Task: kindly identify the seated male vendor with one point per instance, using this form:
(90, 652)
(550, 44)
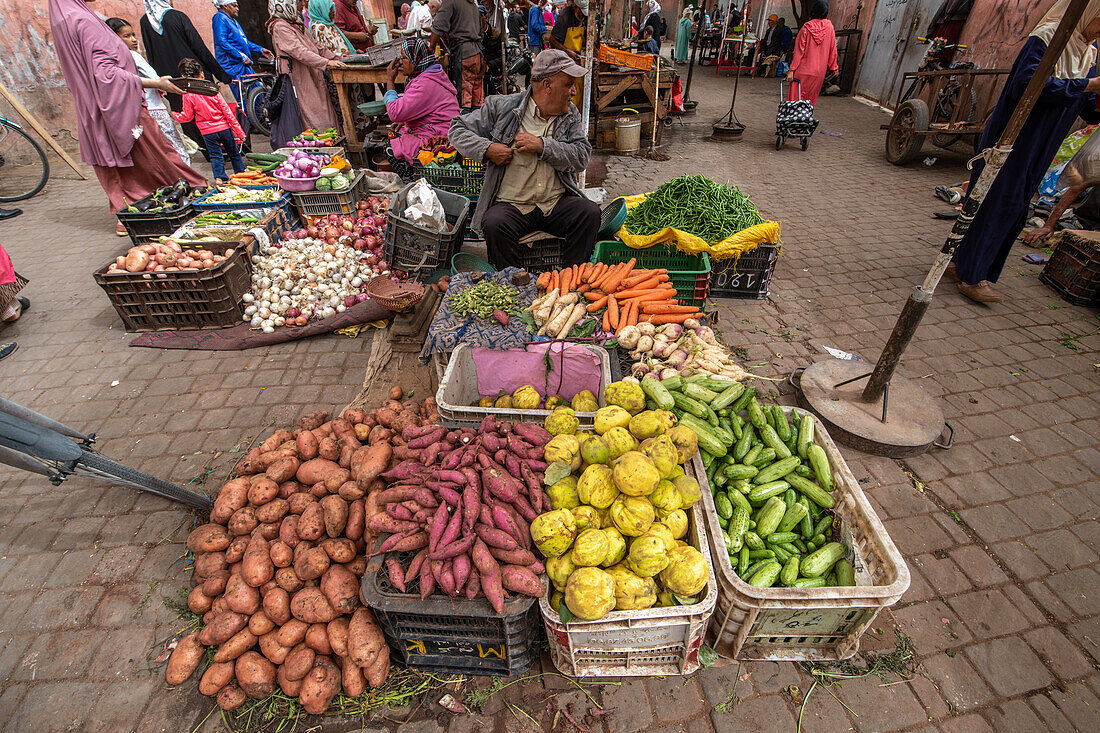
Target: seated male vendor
(533, 143)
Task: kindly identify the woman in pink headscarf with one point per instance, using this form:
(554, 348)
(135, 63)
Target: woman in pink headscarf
(118, 137)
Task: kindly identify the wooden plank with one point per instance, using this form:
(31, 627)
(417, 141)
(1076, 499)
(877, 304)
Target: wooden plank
(353, 142)
(618, 89)
(37, 126)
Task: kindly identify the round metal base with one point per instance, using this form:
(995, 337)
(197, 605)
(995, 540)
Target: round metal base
(690, 105)
(727, 133)
(913, 421)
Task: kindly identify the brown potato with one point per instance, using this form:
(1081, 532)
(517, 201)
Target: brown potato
(311, 606)
(379, 669)
(231, 697)
(235, 645)
(317, 638)
(184, 660)
(287, 488)
(240, 596)
(208, 538)
(351, 678)
(272, 649)
(288, 531)
(289, 687)
(302, 548)
(219, 605)
(282, 555)
(338, 635)
(236, 549)
(354, 416)
(275, 440)
(216, 676)
(299, 502)
(339, 550)
(299, 662)
(268, 587)
(255, 675)
(281, 470)
(341, 588)
(353, 530)
(320, 686)
(329, 449)
(288, 580)
(222, 628)
(265, 488)
(311, 564)
(214, 585)
(269, 531)
(243, 521)
(335, 512)
(260, 624)
(272, 512)
(365, 639)
(198, 602)
(276, 605)
(208, 563)
(319, 490)
(358, 566)
(292, 633)
(256, 566)
(350, 491)
(362, 432)
(250, 464)
(307, 445)
(233, 496)
(311, 525)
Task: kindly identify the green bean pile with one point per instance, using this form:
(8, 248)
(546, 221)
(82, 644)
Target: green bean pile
(697, 205)
(485, 297)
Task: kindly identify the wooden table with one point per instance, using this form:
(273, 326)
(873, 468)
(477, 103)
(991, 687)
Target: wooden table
(354, 74)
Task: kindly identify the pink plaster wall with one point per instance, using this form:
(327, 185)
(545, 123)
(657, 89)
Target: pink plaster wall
(30, 68)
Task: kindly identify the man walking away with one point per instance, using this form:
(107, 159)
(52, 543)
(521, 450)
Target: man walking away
(457, 25)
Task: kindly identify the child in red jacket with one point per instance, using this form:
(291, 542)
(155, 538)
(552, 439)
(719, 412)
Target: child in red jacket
(219, 127)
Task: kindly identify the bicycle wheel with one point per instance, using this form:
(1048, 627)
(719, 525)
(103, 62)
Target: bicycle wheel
(944, 108)
(24, 168)
(256, 109)
(103, 467)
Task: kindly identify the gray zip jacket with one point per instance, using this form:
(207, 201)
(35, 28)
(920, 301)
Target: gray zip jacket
(567, 149)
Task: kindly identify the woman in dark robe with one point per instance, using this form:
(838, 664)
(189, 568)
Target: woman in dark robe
(1068, 94)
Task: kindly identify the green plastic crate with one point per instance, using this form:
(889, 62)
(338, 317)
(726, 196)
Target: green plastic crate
(689, 274)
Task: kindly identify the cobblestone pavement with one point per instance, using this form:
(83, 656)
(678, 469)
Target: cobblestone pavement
(1000, 532)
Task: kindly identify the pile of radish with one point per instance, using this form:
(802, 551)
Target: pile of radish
(319, 270)
(277, 569)
(463, 500)
(300, 164)
(168, 256)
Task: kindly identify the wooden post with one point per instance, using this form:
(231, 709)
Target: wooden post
(37, 126)
(620, 13)
(591, 60)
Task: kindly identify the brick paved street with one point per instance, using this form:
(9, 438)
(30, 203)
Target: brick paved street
(1001, 532)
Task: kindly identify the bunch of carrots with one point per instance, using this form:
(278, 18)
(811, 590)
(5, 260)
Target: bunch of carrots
(625, 294)
(252, 178)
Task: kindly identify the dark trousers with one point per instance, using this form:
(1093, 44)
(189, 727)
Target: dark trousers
(216, 142)
(575, 219)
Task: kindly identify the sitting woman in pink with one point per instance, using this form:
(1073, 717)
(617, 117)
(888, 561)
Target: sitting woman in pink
(426, 108)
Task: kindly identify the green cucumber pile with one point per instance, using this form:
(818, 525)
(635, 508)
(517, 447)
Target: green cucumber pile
(772, 484)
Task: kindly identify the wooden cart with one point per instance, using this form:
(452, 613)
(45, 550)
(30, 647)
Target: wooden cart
(617, 89)
(344, 78)
(948, 104)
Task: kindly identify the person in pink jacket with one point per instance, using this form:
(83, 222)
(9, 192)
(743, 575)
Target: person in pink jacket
(814, 55)
(426, 108)
(215, 120)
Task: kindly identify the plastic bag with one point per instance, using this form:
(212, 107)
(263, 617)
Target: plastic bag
(382, 181)
(422, 208)
(1083, 169)
(573, 368)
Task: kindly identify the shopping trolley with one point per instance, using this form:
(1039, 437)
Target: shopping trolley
(794, 119)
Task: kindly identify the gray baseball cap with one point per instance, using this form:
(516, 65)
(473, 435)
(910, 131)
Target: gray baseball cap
(553, 61)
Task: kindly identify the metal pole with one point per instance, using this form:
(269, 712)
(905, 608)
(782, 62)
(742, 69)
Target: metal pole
(996, 156)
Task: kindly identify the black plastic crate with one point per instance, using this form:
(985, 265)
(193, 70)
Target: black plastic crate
(418, 251)
(747, 277)
(144, 227)
(466, 180)
(454, 635)
(540, 252)
(1074, 269)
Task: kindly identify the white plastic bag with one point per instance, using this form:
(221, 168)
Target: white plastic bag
(422, 207)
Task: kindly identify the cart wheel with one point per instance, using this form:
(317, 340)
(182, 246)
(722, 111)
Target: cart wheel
(903, 141)
(805, 143)
(778, 142)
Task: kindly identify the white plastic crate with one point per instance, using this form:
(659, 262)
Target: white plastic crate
(458, 395)
(646, 643)
(795, 624)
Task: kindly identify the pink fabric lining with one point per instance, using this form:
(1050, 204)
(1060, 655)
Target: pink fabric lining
(574, 369)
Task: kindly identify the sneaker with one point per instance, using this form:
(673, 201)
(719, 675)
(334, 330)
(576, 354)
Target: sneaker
(7, 349)
(983, 292)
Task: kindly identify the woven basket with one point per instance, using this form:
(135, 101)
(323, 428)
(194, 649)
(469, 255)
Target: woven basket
(397, 297)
